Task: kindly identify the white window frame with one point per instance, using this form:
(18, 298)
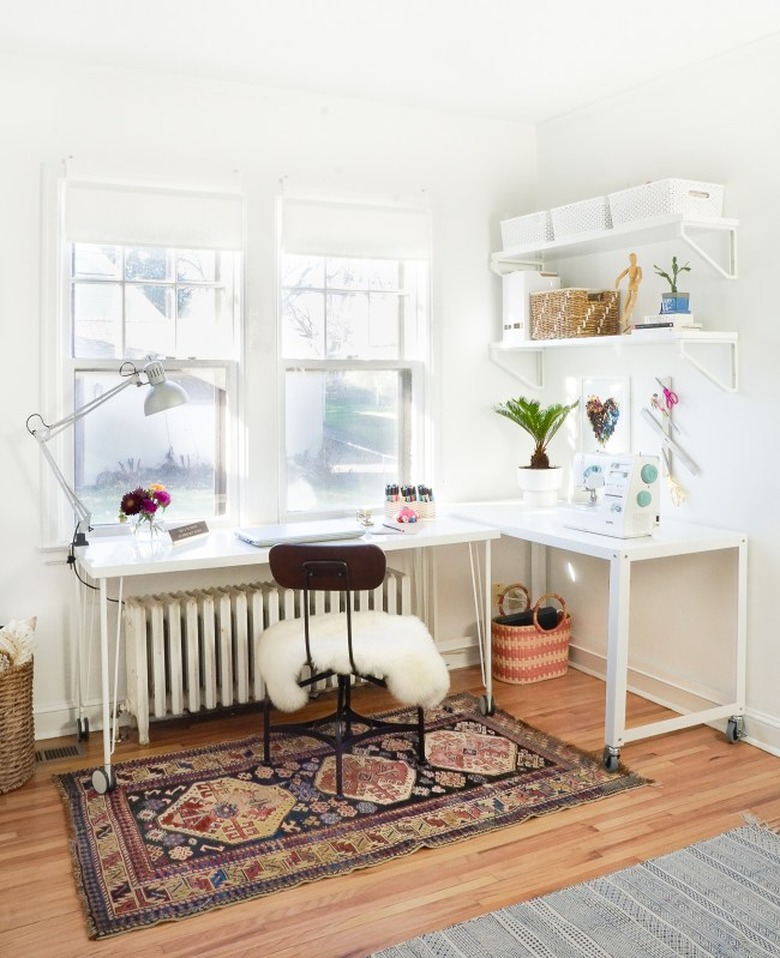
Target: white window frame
(421, 460)
(58, 367)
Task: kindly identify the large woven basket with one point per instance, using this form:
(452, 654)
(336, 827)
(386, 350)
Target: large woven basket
(570, 313)
(17, 728)
(526, 652)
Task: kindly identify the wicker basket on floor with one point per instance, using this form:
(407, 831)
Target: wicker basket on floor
(17, 728)
(532, 645)
(570, 313)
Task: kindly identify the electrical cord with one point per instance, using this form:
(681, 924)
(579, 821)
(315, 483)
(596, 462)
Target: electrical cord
(71, 561)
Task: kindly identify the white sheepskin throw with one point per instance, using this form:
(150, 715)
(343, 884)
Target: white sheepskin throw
(396, 648)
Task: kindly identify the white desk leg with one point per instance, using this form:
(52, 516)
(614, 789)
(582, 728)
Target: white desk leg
(617, 657)
(490, 704)
(483, 609)
(538, 570)
(103, 778)
(734, 728)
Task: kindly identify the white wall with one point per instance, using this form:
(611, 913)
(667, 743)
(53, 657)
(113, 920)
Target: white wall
(710, 123)
(472, 172)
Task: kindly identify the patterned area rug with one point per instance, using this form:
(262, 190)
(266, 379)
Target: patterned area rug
(717, 899)
(189, 831)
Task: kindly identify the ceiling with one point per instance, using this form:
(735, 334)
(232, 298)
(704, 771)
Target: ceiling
(517, 59)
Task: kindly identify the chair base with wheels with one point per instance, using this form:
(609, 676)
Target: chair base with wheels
(391, 651)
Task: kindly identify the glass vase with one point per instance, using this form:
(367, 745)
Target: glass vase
(151, 536)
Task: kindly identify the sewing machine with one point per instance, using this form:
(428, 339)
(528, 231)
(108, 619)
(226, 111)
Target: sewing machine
(622, 495)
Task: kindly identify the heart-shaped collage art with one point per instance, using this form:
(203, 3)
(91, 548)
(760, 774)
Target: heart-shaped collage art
(603, 417)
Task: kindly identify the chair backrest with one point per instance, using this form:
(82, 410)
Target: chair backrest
(311, 566)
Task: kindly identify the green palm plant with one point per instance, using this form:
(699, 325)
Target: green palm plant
(541, 424)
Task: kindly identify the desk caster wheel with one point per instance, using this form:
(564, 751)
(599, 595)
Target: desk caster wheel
(611, 758)
(82, 729)
(103, 781)
(487, 706)
(734, 729)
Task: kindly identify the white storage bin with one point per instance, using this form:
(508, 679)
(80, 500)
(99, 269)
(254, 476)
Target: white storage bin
(660, 197)
(581, 217)
(518, 286)
(526, 230)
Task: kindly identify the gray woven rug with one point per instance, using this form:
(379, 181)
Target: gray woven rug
(720, 897)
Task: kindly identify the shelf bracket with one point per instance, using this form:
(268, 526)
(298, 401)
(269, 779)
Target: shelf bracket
(517, 362)
(729, 271)
(729, 382)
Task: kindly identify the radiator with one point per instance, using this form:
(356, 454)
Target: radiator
(192, 651)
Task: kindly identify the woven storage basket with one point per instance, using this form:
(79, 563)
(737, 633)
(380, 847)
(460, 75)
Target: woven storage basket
(569, 313)
(527, 652)
(581, 217)
(17, 730)
(660, 197)
(525, 230)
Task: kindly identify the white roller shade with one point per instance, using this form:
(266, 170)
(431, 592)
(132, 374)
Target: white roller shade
(146, 216)
(311, 227)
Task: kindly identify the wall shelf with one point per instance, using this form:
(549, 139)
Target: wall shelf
(652, 230)
(713, 354)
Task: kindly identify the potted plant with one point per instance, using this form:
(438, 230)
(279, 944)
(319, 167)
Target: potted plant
(673, 301)
(539, 480)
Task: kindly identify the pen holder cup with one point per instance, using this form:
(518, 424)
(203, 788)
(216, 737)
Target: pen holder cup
(423, 510)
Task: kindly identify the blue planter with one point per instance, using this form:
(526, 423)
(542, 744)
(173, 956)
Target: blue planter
(675, 302)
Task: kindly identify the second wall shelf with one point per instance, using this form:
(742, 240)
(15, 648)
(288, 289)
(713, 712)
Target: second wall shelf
(525, 360)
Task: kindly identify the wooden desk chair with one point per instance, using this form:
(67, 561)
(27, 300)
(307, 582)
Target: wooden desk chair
(393, 651)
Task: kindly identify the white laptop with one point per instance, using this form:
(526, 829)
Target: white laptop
(323, 530)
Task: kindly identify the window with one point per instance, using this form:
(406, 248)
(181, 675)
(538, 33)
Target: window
(125, 299)
(354, 344)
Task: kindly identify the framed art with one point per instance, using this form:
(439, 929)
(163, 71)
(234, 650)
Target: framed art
(605, 407)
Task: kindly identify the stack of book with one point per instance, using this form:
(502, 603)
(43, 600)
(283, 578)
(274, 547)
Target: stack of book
(681, 321)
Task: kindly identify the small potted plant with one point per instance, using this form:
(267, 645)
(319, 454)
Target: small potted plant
(673, 301)
(539, 480)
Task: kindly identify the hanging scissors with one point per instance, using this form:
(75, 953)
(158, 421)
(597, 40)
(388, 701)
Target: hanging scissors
(671, 397)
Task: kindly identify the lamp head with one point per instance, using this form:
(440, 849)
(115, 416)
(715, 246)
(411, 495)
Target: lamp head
(163, 394)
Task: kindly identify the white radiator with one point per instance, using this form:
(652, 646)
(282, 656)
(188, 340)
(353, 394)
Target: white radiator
(188, 651)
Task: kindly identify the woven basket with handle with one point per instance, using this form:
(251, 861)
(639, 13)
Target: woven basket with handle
(569, 313)
(17, 727)
(533, 644)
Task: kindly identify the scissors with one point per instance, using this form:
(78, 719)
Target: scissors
(671, 397)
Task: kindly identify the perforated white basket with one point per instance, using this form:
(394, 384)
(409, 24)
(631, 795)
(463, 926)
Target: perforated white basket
(526, 230)
(660, 197)
(581, 217)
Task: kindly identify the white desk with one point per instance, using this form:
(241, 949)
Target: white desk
(115, 558)
(543, 528)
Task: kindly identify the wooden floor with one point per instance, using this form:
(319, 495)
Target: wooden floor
(703, 785)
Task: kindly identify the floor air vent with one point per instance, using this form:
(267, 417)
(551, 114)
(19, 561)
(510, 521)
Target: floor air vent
(63, 751)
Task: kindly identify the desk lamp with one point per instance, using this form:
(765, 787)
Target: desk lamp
(163, 395)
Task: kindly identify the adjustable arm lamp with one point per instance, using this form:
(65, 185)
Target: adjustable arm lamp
(163, 395)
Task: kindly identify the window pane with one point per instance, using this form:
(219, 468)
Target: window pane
(303, 324)
(348, 273)
(184, 448)
(303, 271)
(97, 319)
(347, 325)
(148, 262)
(149, 320)
(196, 266)
(91, 261)
(344, 431)
(384, 322)
(205, 323)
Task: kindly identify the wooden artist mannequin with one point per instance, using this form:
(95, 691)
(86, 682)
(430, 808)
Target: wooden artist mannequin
(634, 274)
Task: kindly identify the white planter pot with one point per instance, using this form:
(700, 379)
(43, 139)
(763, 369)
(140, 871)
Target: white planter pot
(540, 486)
